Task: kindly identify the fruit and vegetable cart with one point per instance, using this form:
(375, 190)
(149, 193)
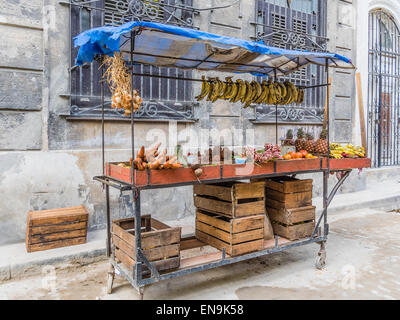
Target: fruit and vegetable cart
(230, 211)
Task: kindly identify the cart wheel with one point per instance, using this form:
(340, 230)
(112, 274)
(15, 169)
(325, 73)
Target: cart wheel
(141, 293)
(320, 262)
(110, 278)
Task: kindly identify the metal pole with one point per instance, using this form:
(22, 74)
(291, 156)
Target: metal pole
(108, 215)
(102, 122)
(108, 244)
(326, 173)
(276, 116)
(133, 34)
(136, 192)
(138, 241)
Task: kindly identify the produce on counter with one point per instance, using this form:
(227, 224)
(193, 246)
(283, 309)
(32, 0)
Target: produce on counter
(300, 141)
(349, 151)
(271, 152)
(321, 145)
(154, 160)
(302, 154)
(289, 139)
(120, 84)
(309, 146)
(248, 93)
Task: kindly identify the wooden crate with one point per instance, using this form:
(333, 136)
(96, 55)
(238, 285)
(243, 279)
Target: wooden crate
(55, 228)
(288, 193)
(293, 224)
(238, 236)
(160, 243)
(233, 200)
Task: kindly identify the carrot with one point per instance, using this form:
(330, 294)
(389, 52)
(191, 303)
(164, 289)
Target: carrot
(167, 165)
(155, 165)
(138, 164)
(176, 165)
(141, 153)
(173, 160)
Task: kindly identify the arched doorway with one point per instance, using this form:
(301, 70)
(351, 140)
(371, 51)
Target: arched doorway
(383, 89)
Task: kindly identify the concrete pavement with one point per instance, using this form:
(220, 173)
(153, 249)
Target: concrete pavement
(363, 255)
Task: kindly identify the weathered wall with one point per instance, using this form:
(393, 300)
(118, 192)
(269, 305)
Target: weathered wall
(47, 161)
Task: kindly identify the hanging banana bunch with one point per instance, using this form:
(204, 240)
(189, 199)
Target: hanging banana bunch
(250, 93)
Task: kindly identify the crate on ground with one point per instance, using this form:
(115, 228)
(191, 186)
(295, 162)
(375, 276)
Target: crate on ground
(293, 224)
(231, 199)
(55, 228)
(288, 193)
(238, 236)
(160, 243)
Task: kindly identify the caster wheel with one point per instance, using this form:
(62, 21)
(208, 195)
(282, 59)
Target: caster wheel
(320, 263)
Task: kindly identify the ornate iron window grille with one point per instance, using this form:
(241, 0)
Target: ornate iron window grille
(164, 99)
(302, 26)
(383, 89)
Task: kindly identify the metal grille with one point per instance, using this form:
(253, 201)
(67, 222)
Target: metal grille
(302, 26)
(383, 89)
(163, 98)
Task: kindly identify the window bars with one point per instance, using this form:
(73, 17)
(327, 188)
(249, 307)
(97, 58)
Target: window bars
(383, 90)
(164, 99)
(300, 26)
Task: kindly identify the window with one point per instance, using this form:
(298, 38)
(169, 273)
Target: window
(300, 26)
(163, 98)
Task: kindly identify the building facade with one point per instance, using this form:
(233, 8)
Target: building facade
(50, 133)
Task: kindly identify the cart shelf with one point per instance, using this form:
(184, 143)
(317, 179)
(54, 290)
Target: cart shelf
(216, 173)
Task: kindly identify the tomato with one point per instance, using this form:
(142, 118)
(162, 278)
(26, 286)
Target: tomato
(304, 153)
(287, 157)
(299, 155)
(291, 153)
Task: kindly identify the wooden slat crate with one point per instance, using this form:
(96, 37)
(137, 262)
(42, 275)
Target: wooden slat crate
(233, 200)
(293, 224)
(55, 228)
(288, 193)
(238, 236)
(160, 243)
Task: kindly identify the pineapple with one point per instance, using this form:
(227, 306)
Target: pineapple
(321, 146)
(289, 139)
(309, 146)
(300, 141)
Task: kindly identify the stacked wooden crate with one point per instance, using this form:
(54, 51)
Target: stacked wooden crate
(289, 207)
(231, 216)
(160, 243)
(55, 228)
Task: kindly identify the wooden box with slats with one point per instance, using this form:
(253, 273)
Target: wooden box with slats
(55, 228)
(160, 243)
(231, 199)
(238, 236)
(288, 193)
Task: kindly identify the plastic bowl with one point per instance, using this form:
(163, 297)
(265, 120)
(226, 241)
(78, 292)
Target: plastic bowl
(240, 160)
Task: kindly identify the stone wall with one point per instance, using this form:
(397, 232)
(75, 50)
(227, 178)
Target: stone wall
(47, 161)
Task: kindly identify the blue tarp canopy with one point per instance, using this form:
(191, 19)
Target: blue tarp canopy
(163, 45)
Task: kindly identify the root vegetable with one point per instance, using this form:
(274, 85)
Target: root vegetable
(173, 160)
(176, 165)
(198, 172)
(141, 153)
(155, 165)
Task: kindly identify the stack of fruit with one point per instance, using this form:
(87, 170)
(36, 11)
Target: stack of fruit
(271, 152)
(276, 93)
(349, 151)
(302, 154)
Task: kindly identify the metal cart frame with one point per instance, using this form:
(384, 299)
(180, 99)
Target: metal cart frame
(135, 276)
